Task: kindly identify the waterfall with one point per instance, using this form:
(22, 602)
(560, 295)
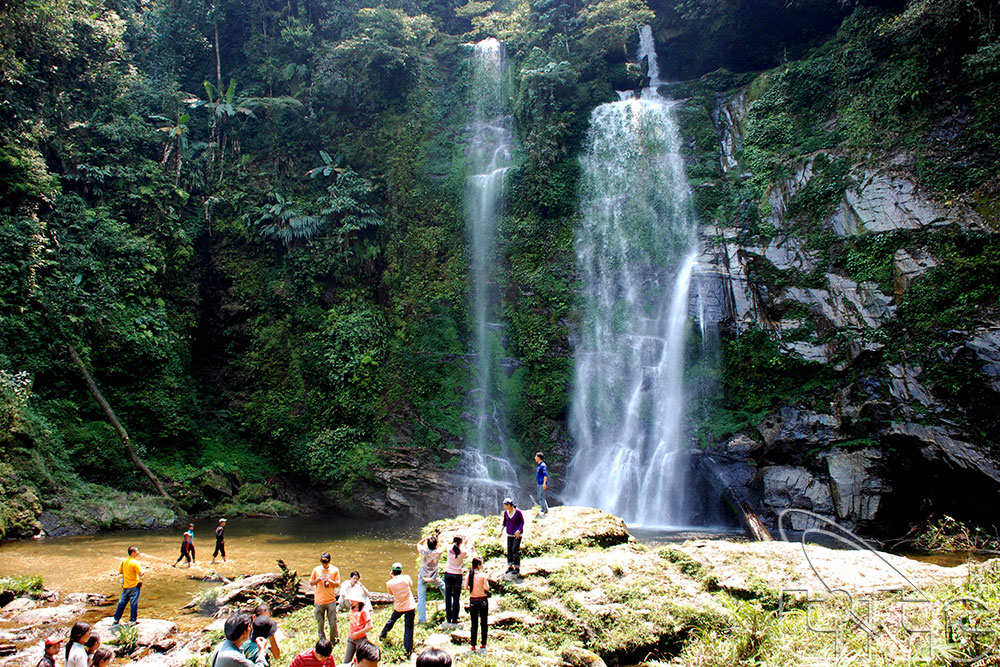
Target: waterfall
(636, 250)
(486, 467)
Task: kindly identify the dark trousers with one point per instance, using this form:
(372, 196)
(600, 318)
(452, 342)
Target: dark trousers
(184, 554)
(514, 551)
(220, 548)
(407, 628)
(452, 596)
(478, 610)
(129, 596)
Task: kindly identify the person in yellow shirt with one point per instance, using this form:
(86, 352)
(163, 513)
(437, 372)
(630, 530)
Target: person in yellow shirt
(131, 584)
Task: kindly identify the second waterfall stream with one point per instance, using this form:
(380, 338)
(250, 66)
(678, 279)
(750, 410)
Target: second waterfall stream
(636, 248)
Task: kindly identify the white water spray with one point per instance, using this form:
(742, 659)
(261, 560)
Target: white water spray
(636, 250)
(485, 465)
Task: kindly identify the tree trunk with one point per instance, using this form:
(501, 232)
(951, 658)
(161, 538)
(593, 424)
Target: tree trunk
(218, 59)
(109, 413)
(751, 522)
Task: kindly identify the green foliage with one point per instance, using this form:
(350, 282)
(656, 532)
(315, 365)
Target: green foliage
(27, 584)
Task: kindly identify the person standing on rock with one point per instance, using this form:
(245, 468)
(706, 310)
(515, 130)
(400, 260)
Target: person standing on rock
(402, 605)
(479, 600)
(76, 647)
(430, 556)
(512, 522)
(326, 579)
(229, 653)
(220, 541)
(453, 579)
(131, 585)
(52, 645)
(542, 476)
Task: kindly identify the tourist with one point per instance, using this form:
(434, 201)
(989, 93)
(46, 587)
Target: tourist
(479, 600)
(318, 656)
(228, 652)
(430, 556)
(402, 605)
(52, 645)
(344, 603)
(360, 622)
(187, 546)
(131, 585)
(542, 477)
(102, 656)
(433, 657)
(512, 521)
(368, 655)
(453, 579)
(220, 541)
(76, 647)
(264, 626)
(92, 645)
(326, 579)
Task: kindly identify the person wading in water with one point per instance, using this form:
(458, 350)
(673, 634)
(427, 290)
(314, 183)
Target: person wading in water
(220, 541)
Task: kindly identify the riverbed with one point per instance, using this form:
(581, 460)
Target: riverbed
(89, 563)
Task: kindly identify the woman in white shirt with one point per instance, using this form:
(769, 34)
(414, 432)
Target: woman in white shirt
(76, 649)
(348, 586)
(453, 579)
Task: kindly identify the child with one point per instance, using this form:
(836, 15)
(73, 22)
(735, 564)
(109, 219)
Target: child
(52, 645)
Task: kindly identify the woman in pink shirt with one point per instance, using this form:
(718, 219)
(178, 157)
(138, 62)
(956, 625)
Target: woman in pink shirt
(453, 579)
(479, 600)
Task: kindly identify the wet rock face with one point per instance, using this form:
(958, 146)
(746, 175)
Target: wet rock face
(891, 431)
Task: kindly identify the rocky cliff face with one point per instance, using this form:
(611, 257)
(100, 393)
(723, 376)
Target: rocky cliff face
(882, 446)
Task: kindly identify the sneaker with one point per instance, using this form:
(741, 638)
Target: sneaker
(482, 649)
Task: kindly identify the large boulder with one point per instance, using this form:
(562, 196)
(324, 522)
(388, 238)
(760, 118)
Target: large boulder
(855, 483)
(48, 615)
(151, 631)
(794, 487)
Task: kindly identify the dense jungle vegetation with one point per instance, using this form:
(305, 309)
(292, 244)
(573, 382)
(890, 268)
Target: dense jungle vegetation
(245, 216)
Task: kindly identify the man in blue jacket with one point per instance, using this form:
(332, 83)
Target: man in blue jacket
(542, 475)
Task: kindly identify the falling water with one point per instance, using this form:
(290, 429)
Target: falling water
(636, 250)
(485, 466)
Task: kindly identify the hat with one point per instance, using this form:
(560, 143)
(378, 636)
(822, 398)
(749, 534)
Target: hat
(397, 567)
(52, 641)
(356, 594)
(222, 520)
(507, 501)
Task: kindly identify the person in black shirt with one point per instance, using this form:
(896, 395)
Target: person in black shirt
(220, 541)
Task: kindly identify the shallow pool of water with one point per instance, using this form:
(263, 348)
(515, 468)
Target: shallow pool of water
(89, 563)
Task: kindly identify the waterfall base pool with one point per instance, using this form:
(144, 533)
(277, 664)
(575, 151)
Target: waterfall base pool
(89, 563)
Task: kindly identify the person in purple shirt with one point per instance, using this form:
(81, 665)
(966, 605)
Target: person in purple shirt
(542, 475)
(512, 522)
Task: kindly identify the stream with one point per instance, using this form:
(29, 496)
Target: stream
(89, 563)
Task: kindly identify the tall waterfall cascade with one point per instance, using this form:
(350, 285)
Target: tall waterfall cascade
(636, 252)
(485, 467)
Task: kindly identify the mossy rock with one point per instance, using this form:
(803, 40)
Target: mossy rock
(253, 493)
(19, 512)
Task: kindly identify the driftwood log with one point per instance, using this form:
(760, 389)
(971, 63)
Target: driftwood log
(752, 523)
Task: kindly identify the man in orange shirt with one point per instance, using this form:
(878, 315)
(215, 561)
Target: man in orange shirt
(326, 579)
(402, 605)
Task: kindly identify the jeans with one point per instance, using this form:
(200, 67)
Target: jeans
(478, 611)
(352, 647)
(452, 596)
(422, 596)
(542, 504)
(407, 628)
(129, 595)
(513, 551)
(329, 611)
